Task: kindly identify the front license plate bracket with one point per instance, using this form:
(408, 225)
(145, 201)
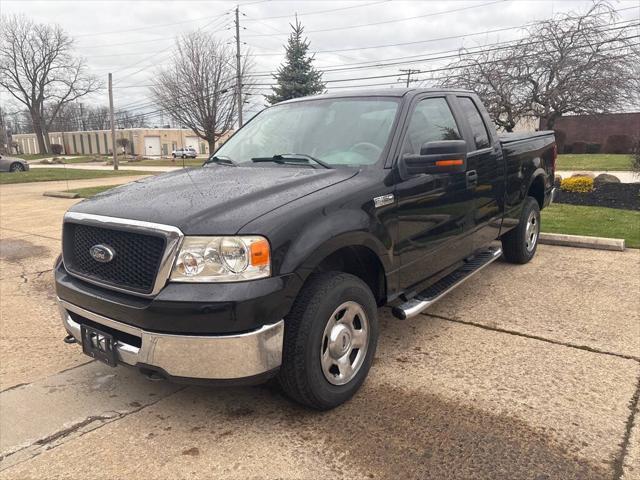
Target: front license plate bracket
(99, 345)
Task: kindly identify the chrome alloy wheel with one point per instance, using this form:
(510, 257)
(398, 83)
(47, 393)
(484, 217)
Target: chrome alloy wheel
(344, 343)
(532, 231)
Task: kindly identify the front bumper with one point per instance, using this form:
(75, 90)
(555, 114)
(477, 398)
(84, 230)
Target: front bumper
(210, 357)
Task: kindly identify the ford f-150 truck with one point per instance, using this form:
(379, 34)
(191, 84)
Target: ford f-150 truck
(273, 258)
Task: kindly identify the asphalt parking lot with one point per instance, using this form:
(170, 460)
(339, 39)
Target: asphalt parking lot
(528, 372)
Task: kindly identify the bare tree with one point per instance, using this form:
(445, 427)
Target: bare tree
(573, 63)
(98, 118)
(495, 77)
(197, 89)
(38, 69)
(579, 65)
(127, 119)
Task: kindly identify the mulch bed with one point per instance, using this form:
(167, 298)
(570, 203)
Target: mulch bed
(625, 196)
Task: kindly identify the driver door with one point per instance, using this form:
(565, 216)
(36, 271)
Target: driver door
(435, 212)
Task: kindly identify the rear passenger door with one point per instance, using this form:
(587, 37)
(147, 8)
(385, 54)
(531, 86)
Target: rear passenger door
(434, 211)
(485, 170)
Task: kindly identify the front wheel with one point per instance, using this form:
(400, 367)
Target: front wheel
(16, 167)
(519, 245)
(330, 340)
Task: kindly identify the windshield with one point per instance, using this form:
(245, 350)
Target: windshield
(339, 131)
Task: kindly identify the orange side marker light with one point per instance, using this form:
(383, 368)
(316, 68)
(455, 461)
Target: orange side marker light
(260, 254)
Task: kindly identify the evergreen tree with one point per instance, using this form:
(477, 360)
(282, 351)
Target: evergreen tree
(296, 77)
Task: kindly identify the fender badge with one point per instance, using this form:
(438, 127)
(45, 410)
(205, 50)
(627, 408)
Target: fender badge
(383, 200)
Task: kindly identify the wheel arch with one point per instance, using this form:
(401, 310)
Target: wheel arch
(537, 185)
(356, 253)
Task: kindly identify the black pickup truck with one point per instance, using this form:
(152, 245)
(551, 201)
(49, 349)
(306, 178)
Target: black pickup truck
(273, 257)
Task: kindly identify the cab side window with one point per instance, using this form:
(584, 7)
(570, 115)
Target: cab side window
(431, 121)
(478, 128)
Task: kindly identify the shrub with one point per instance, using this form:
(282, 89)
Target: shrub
(577, 184)
(567, 149)
(579, 147)
(56, 149)
(618, 144)
(593, 148)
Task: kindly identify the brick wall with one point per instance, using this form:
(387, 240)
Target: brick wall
(596, 128)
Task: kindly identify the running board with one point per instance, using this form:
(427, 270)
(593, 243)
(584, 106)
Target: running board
(435, 292)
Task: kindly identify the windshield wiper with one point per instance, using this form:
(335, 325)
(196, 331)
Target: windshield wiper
(291, 158)
(221, 160)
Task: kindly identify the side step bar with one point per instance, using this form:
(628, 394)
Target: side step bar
(435, 292)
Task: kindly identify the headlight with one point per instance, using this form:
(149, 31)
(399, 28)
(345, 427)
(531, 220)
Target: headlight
(222, 259)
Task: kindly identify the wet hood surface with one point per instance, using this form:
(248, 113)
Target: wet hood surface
(211, 200)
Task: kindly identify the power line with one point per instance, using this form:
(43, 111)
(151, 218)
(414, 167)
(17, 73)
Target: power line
(455, 53)
(303, 14)
(148, 27)
(451, 37)
(415, 17)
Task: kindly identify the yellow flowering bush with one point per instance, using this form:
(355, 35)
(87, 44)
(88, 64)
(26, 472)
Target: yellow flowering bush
(577, 184)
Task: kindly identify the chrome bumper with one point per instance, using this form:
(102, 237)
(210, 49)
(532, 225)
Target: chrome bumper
(221, 357)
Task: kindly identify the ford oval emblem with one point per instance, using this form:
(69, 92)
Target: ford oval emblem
(102, 253)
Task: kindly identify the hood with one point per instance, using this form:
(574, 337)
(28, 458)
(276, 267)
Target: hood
(211, 200)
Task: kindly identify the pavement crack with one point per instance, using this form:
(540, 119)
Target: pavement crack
(13, 387)
(24, 276)
(73, 428)
(534, 337)
(618, 463)
(54, 440)
(20, 385)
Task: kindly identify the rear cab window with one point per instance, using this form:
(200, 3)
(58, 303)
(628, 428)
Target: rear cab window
(479, 130)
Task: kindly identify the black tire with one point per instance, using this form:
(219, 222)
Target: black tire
(184, 156)
(173, 155)
(301, 374)
(519, 245)
(16, 167)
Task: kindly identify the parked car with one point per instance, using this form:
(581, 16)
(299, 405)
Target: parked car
(273, 258)
(12, 164)
(187, 152)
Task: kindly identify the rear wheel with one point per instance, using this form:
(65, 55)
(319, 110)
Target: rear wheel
(17, 167)
(331, 335)
(519, 245)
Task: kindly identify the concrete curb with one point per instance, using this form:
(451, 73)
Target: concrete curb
(61, 194)
(582, 241)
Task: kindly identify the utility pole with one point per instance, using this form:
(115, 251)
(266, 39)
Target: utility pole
(113, 127)
(4, 142)
(238, 74)
(408, 72)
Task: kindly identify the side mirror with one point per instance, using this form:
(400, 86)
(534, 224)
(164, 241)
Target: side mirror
(446, 156)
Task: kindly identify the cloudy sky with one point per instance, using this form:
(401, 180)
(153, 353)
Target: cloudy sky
(132, 38)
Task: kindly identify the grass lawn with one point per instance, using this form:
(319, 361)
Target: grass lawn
(593, 222)
(594, 161)
(50, 174)
(91, 191)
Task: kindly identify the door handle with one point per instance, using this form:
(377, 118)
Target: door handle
(472, 179)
